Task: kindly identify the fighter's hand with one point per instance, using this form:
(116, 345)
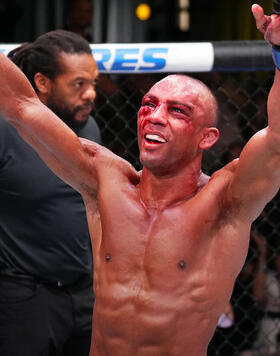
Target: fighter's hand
(269, 26)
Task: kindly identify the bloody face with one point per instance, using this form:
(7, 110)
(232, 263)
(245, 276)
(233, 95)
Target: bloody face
(170, 124)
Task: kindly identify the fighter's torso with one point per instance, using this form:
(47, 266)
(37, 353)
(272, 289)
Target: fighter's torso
(163, 277)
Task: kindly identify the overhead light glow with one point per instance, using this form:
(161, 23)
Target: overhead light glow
(143, 12)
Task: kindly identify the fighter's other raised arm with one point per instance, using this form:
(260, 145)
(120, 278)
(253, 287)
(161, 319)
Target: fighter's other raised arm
(55, 142)
(257, 176)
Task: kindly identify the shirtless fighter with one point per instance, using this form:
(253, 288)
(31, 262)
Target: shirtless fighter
(167, 244)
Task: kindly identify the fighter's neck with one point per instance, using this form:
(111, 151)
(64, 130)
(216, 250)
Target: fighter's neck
(160, 192)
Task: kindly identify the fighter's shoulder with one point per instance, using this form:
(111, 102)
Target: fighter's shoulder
(107, 160)
(97, 151)
(226, 172)
(220, 181)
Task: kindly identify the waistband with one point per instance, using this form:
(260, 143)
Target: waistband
(272, 315)
(80, 283)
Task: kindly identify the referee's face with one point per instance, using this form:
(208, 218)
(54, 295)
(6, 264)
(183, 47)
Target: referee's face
(71, 94)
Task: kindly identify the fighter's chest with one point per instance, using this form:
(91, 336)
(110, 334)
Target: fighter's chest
(137, 237)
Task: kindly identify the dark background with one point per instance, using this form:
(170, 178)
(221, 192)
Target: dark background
(115, 20)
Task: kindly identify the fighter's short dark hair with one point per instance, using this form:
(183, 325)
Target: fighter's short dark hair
(42, 55)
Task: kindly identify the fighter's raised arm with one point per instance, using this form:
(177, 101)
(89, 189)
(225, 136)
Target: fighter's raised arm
(55, 142)
(257, 173)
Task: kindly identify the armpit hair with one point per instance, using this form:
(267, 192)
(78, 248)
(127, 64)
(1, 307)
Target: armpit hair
(228, 210)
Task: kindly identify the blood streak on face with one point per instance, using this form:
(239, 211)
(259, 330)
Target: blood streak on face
(171, 123)
(145, 110)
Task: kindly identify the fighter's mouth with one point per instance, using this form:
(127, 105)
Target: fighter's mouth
(152, 138)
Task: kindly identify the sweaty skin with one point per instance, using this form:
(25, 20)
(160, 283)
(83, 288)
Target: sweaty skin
(171, 245)
(168, 244)
(164, 274)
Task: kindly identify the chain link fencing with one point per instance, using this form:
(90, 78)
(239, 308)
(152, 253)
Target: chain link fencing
(242, 98)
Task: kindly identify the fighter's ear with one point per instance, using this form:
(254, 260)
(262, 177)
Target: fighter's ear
(210, 137)
(42, 83)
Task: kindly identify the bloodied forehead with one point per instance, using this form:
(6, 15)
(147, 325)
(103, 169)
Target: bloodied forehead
(178, 85)
(186, 89)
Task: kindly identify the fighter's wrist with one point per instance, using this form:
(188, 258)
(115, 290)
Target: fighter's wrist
(276, 56)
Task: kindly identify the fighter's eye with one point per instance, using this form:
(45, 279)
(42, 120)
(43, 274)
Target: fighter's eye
(148, 103)
(177, 110)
